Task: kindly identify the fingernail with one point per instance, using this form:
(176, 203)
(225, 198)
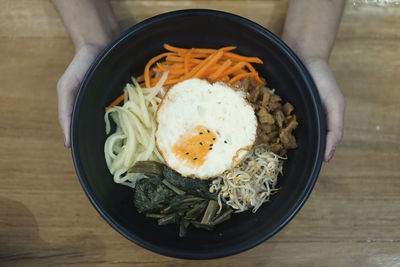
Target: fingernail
(64, 140)
(330, 156)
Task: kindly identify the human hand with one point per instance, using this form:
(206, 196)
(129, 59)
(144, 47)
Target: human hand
(332, 101)
(68, 85)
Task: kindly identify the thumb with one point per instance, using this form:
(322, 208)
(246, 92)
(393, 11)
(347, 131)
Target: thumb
(333, 102)
(66, 91)
(334, 115)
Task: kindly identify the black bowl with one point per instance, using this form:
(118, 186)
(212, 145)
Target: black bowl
(126, 57)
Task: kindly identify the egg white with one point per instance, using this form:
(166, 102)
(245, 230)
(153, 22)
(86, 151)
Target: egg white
(218, 107)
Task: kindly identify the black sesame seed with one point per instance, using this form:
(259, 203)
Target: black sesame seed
(201, 143)
(201, 132)
(213, 138)
(211, 144)
(194, 158)
(208, 131)
(210, 148)
(225, 142)
(187, 153)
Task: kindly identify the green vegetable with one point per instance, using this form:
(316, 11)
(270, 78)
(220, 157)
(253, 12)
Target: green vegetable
(155, 215)
(196, 211)
(210, 212)
(180, 203)
(170, 198)
(149, 168)
(200, 225)
(192, 186)
(173, 188)
(223, 217)
(151, 195)
(168, 219)
(183, 226)
(193, 199)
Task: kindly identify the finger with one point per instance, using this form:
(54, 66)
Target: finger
(66, 92)
(335, 117)
(333, 102)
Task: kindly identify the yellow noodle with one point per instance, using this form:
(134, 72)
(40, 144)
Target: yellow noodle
(133, 138)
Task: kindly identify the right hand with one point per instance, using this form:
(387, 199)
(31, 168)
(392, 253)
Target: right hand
(333, 103)
(69, 83)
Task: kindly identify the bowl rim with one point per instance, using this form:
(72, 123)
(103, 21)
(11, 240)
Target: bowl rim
(304, 74)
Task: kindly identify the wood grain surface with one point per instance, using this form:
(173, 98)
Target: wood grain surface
(352, 217)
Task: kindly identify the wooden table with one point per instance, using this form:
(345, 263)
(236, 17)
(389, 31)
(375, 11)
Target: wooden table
(352, 218)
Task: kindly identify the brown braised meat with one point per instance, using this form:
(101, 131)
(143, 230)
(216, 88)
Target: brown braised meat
(265, 117)
(287, 108)
(275, 121)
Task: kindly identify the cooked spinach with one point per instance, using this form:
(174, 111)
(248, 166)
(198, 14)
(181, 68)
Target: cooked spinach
(210, 212)
(194, 186)
(169, 197)
(173, 188)
(149, 168)
(171, 218)
(151, 195)
(196, 211)
(183, 226)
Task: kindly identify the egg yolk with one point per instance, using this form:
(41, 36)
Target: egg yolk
(194, 145)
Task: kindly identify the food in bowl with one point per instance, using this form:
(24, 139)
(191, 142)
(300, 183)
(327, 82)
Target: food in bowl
(198, 137)
(204, 129)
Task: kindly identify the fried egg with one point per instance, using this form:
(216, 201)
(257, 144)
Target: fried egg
(204, 129)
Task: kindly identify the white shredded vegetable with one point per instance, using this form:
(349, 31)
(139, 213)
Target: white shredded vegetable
(133, 139)
(249, 184)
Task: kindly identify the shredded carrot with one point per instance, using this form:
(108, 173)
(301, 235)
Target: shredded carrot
(200, 55)
(160, 67)
(116, 101)
(171, 70)
(196, 50)
(172, 81)
(175, 49)
(196, 60)
(209, 51)
(252, 70)
(176, 66)
(242, 58)
(177, 71)
(221, 69)
(154, 80)
(204, 63)
(240, 76)
(187, 60)
(225, 79)
(211, 70)
(197, 68)
(140, 78)
(237, 72)
(213, 59)
(235, 67)
(173, 59)
(149, 64)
